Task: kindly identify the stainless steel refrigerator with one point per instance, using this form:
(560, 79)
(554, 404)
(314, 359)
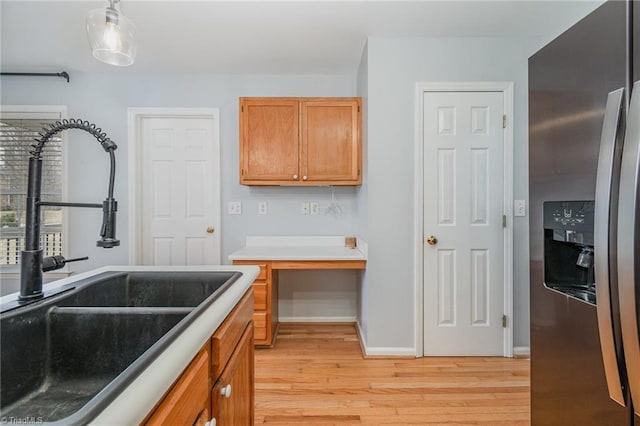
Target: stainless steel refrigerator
(584, 132)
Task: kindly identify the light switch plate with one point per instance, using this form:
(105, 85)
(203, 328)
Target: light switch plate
(519, 208)
(304, 208)
(234, 207)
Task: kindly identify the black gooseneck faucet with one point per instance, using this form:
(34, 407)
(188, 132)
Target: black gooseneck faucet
(32, 259)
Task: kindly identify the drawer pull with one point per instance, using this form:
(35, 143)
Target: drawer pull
(226, 391)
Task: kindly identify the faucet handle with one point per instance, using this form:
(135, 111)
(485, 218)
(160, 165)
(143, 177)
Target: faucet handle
(52, 263)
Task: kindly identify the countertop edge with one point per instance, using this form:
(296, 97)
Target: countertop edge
(297, 253)
(298, 258)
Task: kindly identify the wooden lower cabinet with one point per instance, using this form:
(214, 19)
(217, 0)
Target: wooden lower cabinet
(187, 403)
(219, 382)
(232, 396)
(265, 308)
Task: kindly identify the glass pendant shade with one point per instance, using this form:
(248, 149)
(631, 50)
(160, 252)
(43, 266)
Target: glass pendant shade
(111, 36)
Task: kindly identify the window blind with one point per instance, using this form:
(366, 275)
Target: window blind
(16, 137)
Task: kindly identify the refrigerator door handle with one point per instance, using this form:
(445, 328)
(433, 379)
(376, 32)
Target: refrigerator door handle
(605, 241)
(629, 246)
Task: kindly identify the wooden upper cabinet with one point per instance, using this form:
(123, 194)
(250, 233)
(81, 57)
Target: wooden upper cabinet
(331, 140)
(269, 132)
(300, 141)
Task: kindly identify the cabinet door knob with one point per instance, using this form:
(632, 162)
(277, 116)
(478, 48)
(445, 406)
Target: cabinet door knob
(295, 176)
(304, 178)
(226, 391)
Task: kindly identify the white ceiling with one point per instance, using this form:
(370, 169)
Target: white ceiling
(262, 37)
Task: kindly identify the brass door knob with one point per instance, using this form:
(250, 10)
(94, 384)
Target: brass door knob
(432, 240)
(211, 230)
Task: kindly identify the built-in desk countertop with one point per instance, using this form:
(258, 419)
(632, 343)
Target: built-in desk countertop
(301, 249)
(275, 253)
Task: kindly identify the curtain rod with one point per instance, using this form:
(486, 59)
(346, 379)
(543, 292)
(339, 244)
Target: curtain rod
(62, 74)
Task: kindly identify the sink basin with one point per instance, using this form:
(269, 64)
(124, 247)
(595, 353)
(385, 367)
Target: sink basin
(87, 348)
(65, 358)
(145, 289)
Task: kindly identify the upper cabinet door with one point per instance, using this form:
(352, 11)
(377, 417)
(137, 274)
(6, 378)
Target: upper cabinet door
(269, 134)
(331, 141)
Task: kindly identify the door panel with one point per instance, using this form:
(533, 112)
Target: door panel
(177, 199)
(463, 195)
(569, 81)
(330, 140)
(636, 44)
(269, 139)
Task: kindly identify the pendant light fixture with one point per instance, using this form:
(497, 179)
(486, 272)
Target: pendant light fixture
(111, 35)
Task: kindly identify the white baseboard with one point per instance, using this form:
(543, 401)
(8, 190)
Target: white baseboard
(522, 351)
(317, 319)
(382, 351)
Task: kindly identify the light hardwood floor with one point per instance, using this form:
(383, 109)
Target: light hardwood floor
(315, 374)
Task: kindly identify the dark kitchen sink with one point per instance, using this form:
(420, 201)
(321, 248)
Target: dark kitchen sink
(67, 357)
(144, 289)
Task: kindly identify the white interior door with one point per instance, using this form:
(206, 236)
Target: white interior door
(463, 209)
(180, 191)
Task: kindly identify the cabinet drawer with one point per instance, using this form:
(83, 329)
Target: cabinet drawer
(228, 335)
(188, 398)
(263, 272)
(264, 268)
(260, 325)
(260, 296)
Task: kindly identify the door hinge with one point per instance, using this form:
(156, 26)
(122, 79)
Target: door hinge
(242, 172)
(504, 321)
(358, 172)
(504, 121)
(358, 109)
(504, 220)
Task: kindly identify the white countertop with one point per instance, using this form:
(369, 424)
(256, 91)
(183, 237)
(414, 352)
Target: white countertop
(299, 248)
(138, 399)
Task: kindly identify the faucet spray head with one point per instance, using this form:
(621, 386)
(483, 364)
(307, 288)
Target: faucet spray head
(108, 231)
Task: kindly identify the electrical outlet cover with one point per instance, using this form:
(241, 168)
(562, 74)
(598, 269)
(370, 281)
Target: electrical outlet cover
(314, 208)
(262, 207)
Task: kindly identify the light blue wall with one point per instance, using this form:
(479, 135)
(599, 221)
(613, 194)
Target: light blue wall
(394, 66)
(104, 99)
(361, 195)
(380, 211)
